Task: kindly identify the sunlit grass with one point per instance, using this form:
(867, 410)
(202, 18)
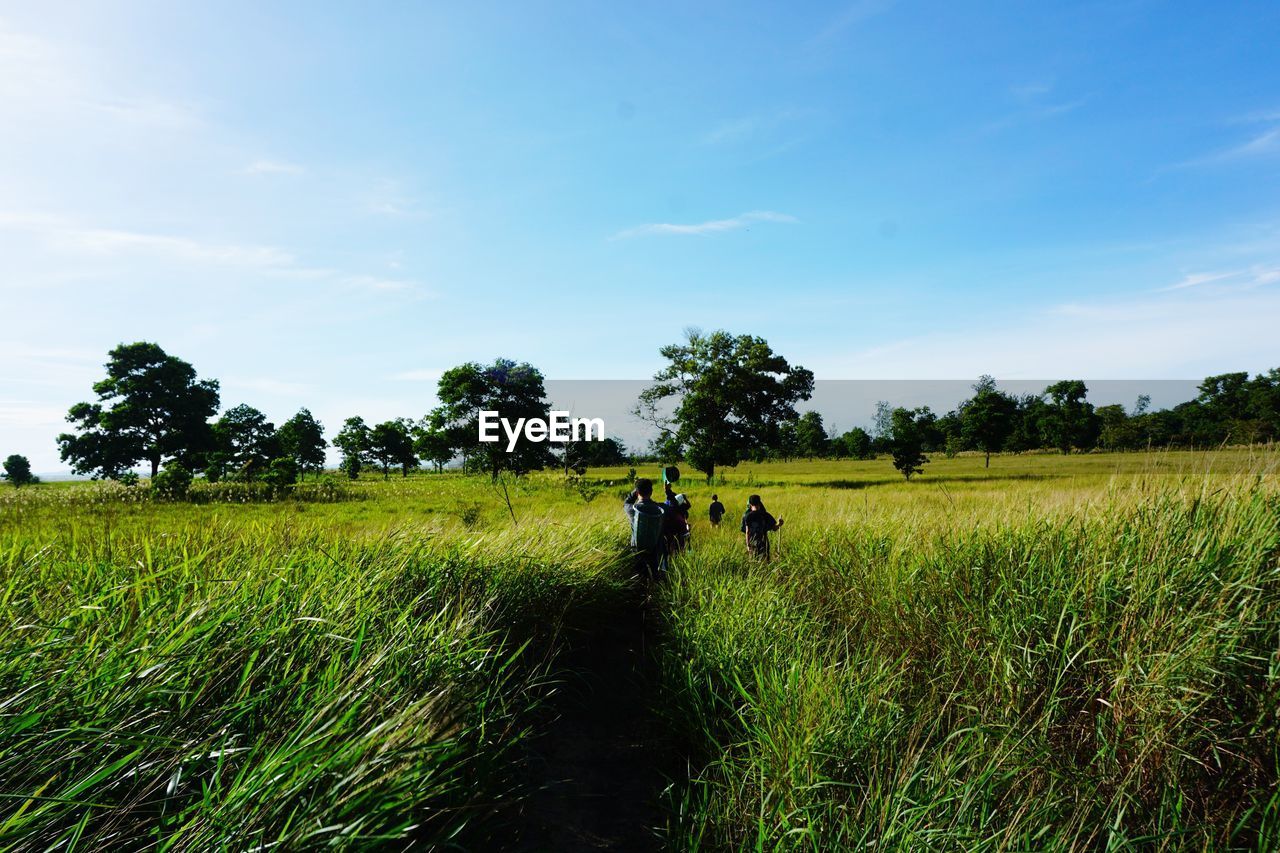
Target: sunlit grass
(1074, 652)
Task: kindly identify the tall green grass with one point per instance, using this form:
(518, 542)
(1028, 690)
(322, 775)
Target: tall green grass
(1102, 677)
(1076, 653)
(248, 685)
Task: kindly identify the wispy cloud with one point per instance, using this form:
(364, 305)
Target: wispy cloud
(752, 127)
(65, 236)
(712, 226)
(273, 167)
(45, 79)
(389, 198)
(1034, 105)
(1264, 144)
(1242, 279)
(852, 15)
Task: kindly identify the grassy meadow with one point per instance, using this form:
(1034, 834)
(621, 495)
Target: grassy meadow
(1055, 652)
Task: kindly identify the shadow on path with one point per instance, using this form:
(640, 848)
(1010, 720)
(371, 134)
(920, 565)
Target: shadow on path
(597, 768)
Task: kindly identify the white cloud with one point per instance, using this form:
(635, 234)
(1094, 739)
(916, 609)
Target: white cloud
(273, 167)
(712, 226)
(1255, 276)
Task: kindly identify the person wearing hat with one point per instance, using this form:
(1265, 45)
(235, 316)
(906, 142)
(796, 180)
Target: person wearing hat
(675, 527)
(757, 524)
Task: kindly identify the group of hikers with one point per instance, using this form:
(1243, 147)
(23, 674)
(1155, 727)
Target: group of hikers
(659, 531)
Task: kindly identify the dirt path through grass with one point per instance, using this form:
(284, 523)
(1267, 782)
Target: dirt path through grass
(598, 766)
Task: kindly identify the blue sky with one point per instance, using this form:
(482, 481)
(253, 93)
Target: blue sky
(325, 205)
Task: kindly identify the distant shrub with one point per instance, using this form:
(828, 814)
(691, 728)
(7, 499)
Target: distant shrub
(280, 476)
(173, 483)
(470, 514)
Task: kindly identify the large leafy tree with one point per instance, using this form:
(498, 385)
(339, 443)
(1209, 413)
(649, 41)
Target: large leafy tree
(513, 390)
(151, 407)
(302, 440)
(17, 470)
(988, 418)
(246, 441)
(731, 394)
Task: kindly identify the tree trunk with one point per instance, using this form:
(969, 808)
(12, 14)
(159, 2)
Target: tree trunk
(155, 466)
(988, 465)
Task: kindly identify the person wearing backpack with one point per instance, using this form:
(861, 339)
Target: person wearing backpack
(757, 524)
(647, 519)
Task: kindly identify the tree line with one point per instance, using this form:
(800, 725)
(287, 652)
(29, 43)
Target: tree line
(720, 399)
(153, 409)
(1230, 408)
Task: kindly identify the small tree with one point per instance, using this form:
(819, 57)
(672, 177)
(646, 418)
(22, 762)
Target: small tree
(987, 420)
(391, 443)
(280, 475)
(907, 438)
(432, 444)
(811, 436)
(353, 442)
(302, 440)
(882, 425)
(856, 444)
(17, 470)
(246, 441)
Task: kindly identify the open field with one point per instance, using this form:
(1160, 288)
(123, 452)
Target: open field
(1074, 652)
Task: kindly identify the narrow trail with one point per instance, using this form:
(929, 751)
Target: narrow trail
(598, 766)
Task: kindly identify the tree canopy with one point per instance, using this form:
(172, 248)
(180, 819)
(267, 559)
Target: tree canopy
(731, 395)
(17, 470)
(302, 440)
(515, 390)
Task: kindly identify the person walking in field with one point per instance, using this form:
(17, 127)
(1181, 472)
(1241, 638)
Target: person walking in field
(757, 524)
(675, 527)
(647, 520)
(715, 511)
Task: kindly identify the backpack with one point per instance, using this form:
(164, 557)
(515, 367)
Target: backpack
(646, 527)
